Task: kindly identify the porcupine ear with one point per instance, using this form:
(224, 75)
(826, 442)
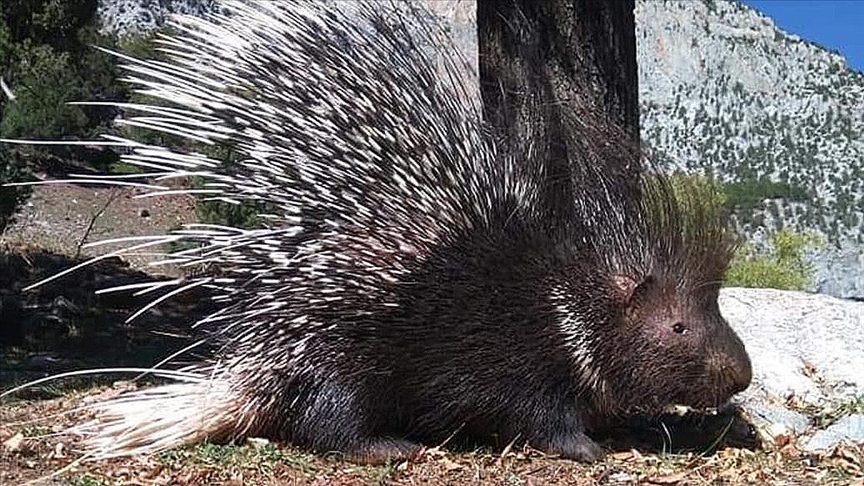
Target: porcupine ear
(629, 290)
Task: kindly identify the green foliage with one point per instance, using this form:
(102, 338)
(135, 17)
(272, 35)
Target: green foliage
(87, 480)
(710, 193)
(47, 60)
(47, 52)
(42, 88)
(245, 215)
(209, 211)
(231, 460)
(704, 210)
(145, 47)
(782, 266)
(749, 193)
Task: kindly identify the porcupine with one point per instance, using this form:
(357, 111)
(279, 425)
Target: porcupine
(407, 285)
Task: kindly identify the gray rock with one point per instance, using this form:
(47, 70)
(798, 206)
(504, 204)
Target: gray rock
(132, 17)
(849, 428)
(838, 270)
(805, 345)
(807, 350)
(774, 418)
(723, 90)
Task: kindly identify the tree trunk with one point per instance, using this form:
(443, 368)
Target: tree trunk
(559, 77)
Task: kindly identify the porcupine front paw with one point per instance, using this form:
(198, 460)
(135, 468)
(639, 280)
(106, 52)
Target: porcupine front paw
(382, 450)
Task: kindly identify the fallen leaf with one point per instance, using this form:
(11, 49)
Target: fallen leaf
(58, 451)
(667, 479)
(845, 452)
(809, 369)
(622, 456)
(14, 443)
(850, 468)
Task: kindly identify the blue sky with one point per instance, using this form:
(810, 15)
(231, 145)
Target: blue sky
(836, 24)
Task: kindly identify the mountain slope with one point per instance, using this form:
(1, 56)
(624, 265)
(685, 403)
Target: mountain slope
(724, 91)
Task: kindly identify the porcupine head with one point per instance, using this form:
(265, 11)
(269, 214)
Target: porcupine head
(638, 305)
(650, 333)
(637, 296)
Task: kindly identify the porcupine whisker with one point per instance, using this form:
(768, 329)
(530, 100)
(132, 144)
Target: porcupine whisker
(159, 160)
(171, 357)
(186, 192)
(76, 178)
(113, 183)
(170, 128)
(166, 296)
(169, 112)
(247, 318)
(156, 69)
(167, 156)
(214, 230)
(20, 141)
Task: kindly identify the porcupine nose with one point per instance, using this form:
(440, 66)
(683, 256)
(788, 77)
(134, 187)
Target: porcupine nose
(733, 364)
(740, 375)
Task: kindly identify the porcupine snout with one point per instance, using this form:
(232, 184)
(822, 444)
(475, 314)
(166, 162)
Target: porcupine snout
(730, 362)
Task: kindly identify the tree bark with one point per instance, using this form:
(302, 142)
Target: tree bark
(560, 78)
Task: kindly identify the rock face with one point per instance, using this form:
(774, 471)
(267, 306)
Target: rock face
(804, 345)
(807, 352)
(724, 91)
(131, 17)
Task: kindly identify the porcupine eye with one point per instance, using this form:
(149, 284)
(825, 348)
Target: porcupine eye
(679, 328)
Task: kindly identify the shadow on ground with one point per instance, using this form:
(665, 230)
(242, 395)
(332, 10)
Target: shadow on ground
(64, 326)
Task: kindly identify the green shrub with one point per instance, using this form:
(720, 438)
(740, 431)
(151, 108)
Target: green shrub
(711, 194)
(209, 211)
(782, 266)
(244, 215)
(48, 60)
(146, 47)
(749, 193)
